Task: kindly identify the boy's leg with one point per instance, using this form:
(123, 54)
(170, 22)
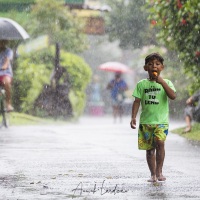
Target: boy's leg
(161, 132)
(160, 156)
(151, 161)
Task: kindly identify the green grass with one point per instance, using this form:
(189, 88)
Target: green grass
(193, 135)
(17, 119)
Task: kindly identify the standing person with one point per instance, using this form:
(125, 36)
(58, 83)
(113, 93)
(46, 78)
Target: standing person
(153, 93)
(192, 111)
(117, 86)
(6, 56)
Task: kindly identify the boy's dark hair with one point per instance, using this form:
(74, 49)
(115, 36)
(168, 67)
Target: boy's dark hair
(153, 56)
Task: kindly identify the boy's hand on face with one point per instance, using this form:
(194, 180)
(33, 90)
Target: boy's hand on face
(133, 123)
(159, 79)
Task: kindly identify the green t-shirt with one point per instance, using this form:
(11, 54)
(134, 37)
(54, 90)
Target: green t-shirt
(154, 101)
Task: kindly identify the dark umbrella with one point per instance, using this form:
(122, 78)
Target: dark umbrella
(11, 30)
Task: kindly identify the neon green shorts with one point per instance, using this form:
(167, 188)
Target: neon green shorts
(148, 134)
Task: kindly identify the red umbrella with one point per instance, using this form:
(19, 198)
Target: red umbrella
(114, 67)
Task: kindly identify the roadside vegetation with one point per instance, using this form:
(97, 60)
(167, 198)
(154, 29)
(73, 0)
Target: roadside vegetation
(193, 135)
(33, 68)
(24, 119)
(19, 119)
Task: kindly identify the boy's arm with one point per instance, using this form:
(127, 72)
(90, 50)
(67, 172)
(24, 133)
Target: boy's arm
(170, 93)
(135, 108)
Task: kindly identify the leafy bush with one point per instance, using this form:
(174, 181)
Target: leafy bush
(34, 71)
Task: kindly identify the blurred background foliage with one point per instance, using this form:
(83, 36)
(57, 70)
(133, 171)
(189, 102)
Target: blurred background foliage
(179, 30)
(49, 17)
(131, 29)
(127, 22)
(35, 71)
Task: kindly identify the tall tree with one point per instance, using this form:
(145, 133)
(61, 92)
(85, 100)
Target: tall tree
(52, 18)
(178, 22)
(127, 22)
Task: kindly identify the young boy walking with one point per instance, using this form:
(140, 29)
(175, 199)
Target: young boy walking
(153, 93)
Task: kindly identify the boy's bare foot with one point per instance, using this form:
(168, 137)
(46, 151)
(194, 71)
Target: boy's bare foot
(161, 178)
(152, 179)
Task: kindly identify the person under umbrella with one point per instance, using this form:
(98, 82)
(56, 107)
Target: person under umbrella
(117, 86)
(6, 74)
(10, 31)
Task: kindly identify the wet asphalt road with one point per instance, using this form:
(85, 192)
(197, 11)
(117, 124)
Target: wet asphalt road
(93, 159)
